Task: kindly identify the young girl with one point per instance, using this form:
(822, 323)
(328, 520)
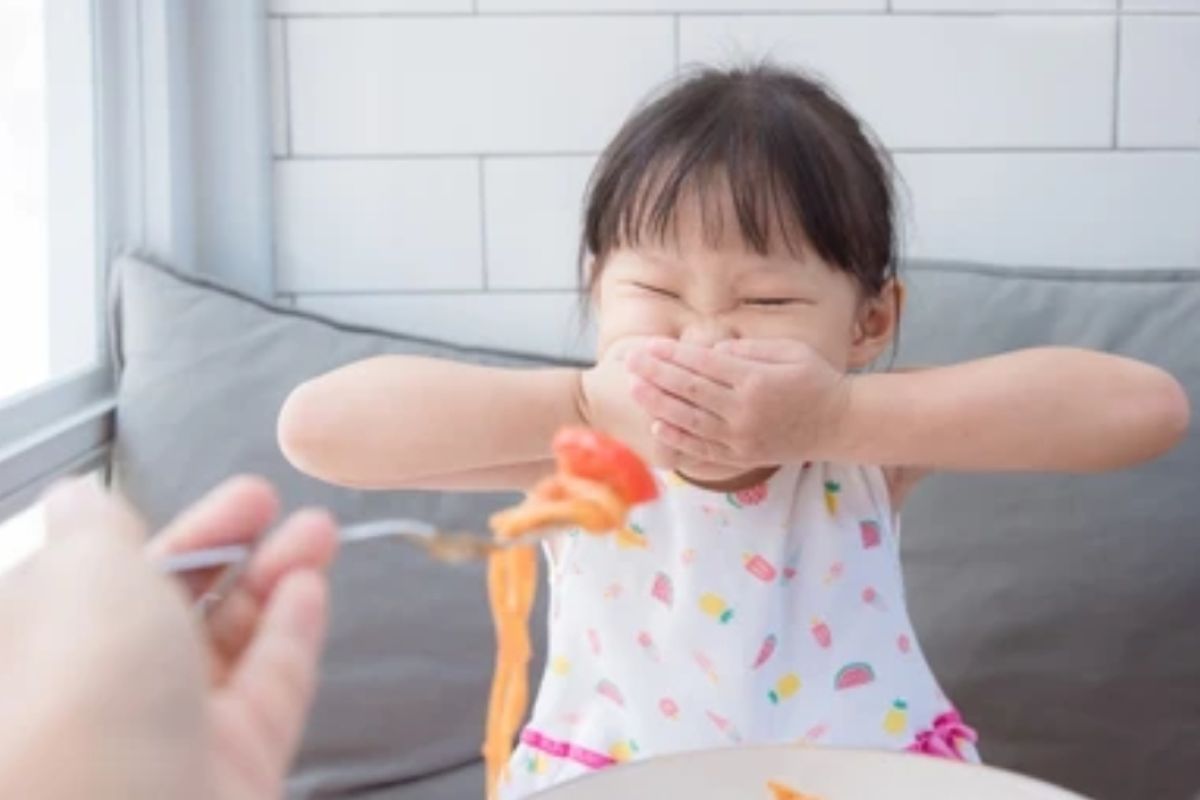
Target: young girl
(740, 259)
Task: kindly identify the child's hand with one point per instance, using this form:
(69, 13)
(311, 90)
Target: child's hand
(751, 402)
(608, 404)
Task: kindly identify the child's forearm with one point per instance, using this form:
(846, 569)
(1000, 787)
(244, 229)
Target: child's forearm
(1042, 409)
(396, 421)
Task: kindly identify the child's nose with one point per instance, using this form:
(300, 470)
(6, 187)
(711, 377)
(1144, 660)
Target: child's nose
(707, 333)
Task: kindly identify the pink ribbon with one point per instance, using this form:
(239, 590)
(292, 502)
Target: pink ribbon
(569, 750)
(945, 739)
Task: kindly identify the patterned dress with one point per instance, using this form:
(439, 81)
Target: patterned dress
(772, 614)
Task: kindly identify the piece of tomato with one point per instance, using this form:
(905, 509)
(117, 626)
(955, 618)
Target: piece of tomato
(590, 454)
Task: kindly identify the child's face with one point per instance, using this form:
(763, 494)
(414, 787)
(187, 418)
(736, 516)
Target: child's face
(702, 292)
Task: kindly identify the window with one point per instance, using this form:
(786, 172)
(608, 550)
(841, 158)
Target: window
(55, 388)
(48, 242)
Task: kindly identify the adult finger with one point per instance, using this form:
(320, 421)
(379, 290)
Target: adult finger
(82, 505)
(235, 512)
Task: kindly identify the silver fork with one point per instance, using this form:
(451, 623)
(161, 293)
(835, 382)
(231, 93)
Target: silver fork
(452, 548)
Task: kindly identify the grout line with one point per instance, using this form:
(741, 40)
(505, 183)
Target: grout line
(1082, 150)
(1116, 92)
(287, 89)
(832, 14)
(675, 27)
(483, 239)
(405, 293)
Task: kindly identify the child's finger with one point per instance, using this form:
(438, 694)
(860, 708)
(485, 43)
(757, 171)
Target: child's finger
(709, 362)
(665, 406)
(698, 390)
(769, 351)
(690, 445)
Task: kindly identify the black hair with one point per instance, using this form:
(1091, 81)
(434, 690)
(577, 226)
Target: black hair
(798, 164)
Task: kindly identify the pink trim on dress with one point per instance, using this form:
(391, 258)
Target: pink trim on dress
(945, 738)
(560, 749)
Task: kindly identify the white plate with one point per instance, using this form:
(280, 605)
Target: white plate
(742, 774)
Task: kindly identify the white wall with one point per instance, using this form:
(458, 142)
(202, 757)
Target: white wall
(431, 154)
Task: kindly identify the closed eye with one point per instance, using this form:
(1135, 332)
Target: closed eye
(657, 290)
(771, 301)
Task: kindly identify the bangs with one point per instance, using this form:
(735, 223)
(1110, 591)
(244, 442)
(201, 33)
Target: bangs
(762, 154)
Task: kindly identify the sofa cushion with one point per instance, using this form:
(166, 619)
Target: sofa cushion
(1058, 611)
(203, 372)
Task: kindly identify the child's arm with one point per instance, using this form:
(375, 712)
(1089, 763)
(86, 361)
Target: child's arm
(397, 422)
(405, 422)
(1044, 409)
(768, 402)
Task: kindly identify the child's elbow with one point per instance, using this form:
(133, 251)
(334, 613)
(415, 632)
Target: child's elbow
(303, 430)
(1166, 413)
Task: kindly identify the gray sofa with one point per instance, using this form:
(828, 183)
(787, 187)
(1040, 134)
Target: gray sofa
(1060, 612)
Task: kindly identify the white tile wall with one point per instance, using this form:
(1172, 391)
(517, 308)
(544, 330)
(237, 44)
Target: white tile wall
(432, 154)
(533, 209)
(1056, 209)
(993, 6)
(366, 225)
(941, 81)
(341, 7)
(1160, 88)
(550, 323)
(478, 84)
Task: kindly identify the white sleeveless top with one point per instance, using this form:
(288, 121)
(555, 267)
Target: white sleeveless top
(773, 614)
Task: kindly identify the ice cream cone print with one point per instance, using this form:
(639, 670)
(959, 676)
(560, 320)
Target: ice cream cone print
(895, 721)
(714, 606)
(869, 530)
(873, 599)
(836, 570)
(759, 567)
(725, 726)
(663, 590)
(831, 497)
(785, 687)
(821, 633)
(593, 641)
(706, 666)
(780, 791)
(903, 643)
(766, 651)
(608, 689)
(645, 641)
(669, 708)
(560, 666)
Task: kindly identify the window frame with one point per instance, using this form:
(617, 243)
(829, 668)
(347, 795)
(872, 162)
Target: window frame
(65, 426)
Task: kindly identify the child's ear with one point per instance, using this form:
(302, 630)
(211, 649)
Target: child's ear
(875, 328)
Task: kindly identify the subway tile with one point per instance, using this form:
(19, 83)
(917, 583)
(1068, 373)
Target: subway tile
(1160, 82)
(337, 7)
(942, 82)
(708, 6)
(471, 85)
(1161, 5)
(277, 57)
(550, 324)
(534, 209)
(402, 225)
(1098, 210)
(1003, 6)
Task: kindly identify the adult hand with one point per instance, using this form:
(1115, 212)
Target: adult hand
(107, 670)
